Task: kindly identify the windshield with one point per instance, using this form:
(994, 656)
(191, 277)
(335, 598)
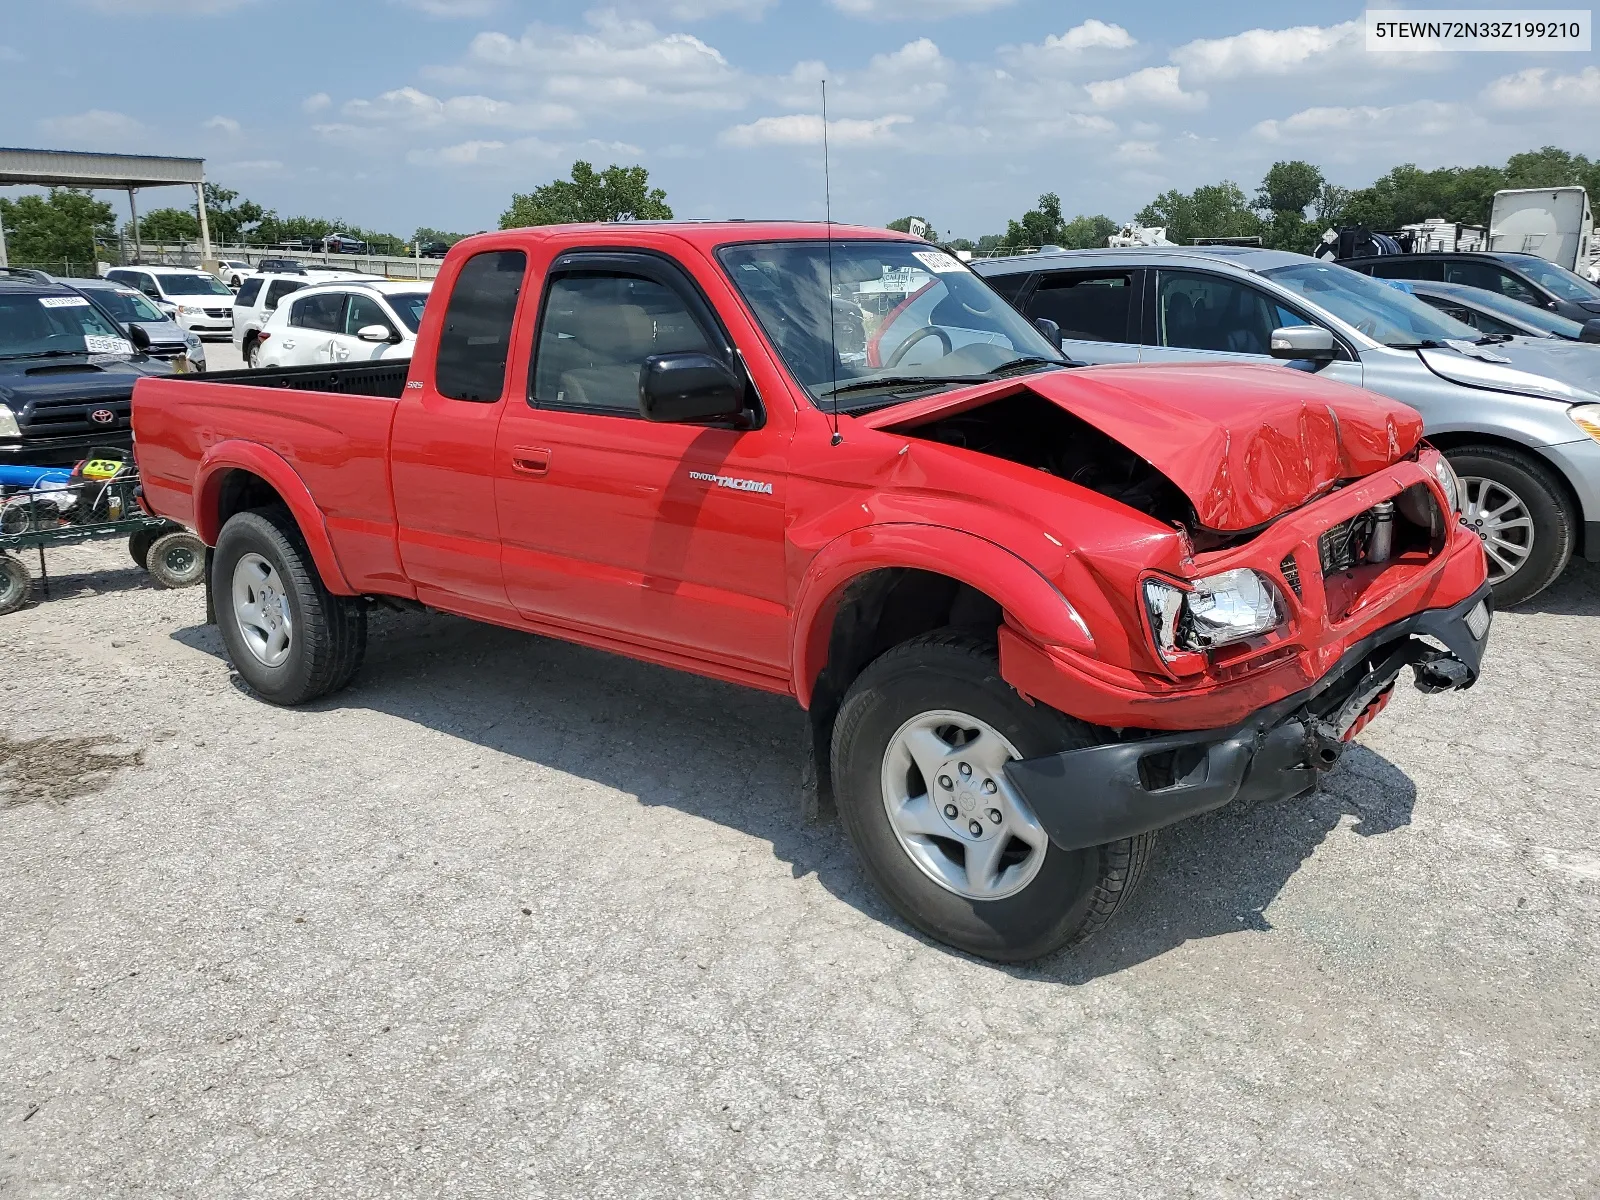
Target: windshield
(126, 305)
(1370, 306)
(408, 307)
(898, 310)
(1521, 313)
(44, 325)
(193, 285)
(1557, 280)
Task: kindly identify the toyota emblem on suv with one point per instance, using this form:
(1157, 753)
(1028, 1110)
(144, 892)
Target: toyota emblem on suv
(102, 416)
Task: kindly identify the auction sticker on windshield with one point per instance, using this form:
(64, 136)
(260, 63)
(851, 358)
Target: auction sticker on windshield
(63, 302)
(936, 261)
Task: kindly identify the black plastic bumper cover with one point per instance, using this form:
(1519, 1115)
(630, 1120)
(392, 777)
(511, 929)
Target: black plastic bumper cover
(1105, 793)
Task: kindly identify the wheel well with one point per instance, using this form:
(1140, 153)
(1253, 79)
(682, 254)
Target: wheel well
(1461, 439)
(877, 611)
(239, 491)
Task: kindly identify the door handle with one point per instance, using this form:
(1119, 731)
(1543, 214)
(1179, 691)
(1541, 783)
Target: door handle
(530, 460)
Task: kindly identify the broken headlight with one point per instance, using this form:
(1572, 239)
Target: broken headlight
(1216, 611)
(1448, 481)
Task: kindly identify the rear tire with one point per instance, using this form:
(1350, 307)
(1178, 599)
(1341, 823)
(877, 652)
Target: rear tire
(1041, 906)
(16, 584)
(1492, 476)
(177, 560)
(139, 543)
(289, 638)
(252, 352)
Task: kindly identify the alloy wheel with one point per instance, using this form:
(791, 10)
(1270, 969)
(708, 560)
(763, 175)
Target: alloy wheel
(261, 608)
(1502, 522)
(953, 810)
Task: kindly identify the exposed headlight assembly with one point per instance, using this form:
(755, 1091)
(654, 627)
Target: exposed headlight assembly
(8, 422)
(1217, 611)
(1448, 481)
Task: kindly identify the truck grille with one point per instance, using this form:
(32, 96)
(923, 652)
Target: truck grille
(64, 420)
(221, 313)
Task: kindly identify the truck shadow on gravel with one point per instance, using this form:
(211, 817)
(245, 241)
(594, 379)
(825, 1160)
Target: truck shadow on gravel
(735, 756)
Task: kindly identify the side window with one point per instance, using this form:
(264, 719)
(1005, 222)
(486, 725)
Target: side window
(364, 311)
(471, 361)
(1096, 307)
(279, 288)
(597, 330)
(1404, 266)
(1492, 279)
(120, 276)
(1513, 287)
(148, 285)
(1010, 286)
(248, 293)
(324, 312)
(1197, 311)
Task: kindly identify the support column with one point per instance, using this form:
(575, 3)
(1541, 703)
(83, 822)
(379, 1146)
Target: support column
(134, 209)
(4, 262)
(205, 228)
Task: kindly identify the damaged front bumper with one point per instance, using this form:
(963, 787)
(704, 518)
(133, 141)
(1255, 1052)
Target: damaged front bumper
(1104, 793)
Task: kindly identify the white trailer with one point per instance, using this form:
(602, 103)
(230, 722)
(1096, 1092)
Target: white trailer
(1554, 223)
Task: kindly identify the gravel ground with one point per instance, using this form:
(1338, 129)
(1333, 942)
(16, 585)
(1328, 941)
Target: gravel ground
(514, 918)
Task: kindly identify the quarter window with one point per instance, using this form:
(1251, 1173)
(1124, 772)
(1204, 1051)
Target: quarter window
(1491, 279)
(279, 288)
(1088, 307)
(248, 293)
(597, 330)
(471, 361)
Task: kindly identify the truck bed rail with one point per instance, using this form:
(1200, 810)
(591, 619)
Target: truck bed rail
(386, 378)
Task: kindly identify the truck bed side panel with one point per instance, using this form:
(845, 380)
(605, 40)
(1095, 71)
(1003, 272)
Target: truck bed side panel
(337, 444)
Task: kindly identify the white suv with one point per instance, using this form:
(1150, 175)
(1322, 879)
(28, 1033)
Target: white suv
(197, 300)
(343, 322)
(259, 296)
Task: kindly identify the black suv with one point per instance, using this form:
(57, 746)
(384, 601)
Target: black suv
(1525, 277)
(67, 371)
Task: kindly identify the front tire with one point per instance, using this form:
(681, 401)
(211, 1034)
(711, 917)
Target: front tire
(289, 638)
(252, 354)
(921, 733)
(1517, 506)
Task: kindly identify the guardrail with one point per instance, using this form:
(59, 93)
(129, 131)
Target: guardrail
(187, 254)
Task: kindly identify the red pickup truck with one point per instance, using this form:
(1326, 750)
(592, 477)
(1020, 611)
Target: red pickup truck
(1035, 611)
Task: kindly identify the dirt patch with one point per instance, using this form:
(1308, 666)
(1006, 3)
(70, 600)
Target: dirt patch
(53, 770)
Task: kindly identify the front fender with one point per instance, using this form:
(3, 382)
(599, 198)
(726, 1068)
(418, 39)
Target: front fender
(239, 455)
(1032, 604)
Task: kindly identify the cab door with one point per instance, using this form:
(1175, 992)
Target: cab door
(313, 320)
(442, 447)
(1098, 311)
(657, 535)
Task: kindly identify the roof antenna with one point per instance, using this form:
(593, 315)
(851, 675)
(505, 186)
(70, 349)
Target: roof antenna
(827, 202)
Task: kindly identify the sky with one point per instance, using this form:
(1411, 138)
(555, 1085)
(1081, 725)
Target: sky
(397, 113)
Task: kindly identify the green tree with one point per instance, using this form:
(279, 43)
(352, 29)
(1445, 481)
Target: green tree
(1039, 226)
(166, 225)
(425, 234)
(231, 223)
(1407, 194)
(959, 244)
(60, 227)
(1215, 210)
(903, 225)
(1289, 187)
(1085, 233)
(615, 194)
(1549, 166)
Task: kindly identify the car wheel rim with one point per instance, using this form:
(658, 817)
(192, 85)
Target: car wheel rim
(261, 610)
(1502, 522)
(954, 812)
(180, 560)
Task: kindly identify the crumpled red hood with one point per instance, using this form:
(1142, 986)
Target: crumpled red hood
(1244, 442)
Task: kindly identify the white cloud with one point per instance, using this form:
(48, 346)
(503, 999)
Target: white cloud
(1542, 87)
(620, 61)
(226, 125)
(1152, 86)
(96, 125)
(920, 10)
(914, 78)
(1137, 152)
(410, 108)
(805, 129)
(253, 166)
(483, 152)
(1091, 35)
(1265, 51)
(186, 8)
(316, 103)
(9, 54)
(1401, 123)
(451, 8)
(700, 10)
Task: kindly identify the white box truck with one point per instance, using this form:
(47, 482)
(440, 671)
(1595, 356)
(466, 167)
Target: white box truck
(1554, 223)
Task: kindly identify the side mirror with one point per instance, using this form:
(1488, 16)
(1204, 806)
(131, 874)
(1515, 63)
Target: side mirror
(377, 333)
(1051, 331)
(1591, 330)
(1310, 342)
(141, 339)
(689, 388)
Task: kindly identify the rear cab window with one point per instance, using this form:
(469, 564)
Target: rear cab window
(476, 339)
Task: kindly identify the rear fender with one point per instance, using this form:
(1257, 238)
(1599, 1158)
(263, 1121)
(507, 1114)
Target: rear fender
(240, 455)
(1032, 604)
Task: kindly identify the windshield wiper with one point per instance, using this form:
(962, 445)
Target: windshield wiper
(1426, 344)
(903, 382)
(1014, 365)
(47, 354)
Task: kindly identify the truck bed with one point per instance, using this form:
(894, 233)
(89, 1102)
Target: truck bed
(386, 378)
